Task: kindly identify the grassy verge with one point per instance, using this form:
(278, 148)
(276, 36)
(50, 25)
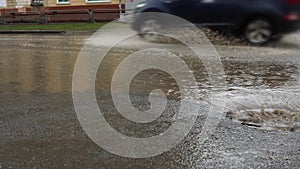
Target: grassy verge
(64, 27)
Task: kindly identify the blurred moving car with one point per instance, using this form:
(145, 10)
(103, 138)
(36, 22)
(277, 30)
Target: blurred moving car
(259, 21)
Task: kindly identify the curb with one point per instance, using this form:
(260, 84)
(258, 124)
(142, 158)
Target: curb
(31, 31)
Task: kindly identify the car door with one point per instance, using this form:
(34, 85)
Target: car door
(218, 12)
(186, 9)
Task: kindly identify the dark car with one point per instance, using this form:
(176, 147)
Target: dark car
(259, 21)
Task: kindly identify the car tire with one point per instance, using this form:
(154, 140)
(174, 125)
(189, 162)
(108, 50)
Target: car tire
(277, 37)
(258, 31)
(149, 29)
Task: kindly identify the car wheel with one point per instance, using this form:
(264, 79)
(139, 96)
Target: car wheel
(258, 31)
(149, 29)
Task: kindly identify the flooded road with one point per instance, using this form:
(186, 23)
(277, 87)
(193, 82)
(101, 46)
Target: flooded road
(39, 127)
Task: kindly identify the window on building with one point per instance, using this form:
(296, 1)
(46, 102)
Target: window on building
(91, 1)
(63, 1)
(37, 3)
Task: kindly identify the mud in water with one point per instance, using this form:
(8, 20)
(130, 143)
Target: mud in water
(266, 109)
(281, 120)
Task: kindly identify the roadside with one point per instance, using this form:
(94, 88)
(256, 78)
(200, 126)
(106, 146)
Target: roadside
(216, 38)
(56, 27)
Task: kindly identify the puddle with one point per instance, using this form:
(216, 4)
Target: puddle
(262, 74)
(43, 65)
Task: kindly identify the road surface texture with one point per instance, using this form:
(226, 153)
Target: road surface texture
(39, 127)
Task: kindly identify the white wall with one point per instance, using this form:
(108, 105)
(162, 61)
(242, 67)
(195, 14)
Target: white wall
(22, 3)
(3, 3)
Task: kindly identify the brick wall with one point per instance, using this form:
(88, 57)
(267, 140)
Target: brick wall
(63, 13)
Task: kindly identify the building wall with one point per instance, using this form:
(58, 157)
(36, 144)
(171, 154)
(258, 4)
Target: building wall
(2, 3)
(56, 3)
(81, 2)
(21, 11)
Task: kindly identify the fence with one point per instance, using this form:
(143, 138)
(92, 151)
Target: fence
(37, 13)
(51, 14)
(57, 16)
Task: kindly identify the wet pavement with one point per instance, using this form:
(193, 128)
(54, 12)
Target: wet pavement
(39, 127)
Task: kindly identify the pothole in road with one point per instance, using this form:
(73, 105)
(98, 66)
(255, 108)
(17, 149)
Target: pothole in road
(269, 111)
(269, 119)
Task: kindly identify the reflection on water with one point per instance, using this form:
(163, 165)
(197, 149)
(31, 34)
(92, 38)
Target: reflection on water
(264, 74)
(34, 63)
(44, 64)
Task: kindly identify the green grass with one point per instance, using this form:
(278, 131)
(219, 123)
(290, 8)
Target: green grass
(64, 27)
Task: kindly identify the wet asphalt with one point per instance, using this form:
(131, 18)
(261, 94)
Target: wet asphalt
(39, 127)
